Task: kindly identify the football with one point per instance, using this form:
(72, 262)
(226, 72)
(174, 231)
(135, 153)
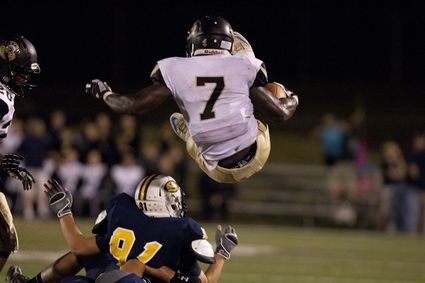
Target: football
(277, 89)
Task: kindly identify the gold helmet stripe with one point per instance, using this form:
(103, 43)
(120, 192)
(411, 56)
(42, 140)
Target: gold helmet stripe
(145, 184)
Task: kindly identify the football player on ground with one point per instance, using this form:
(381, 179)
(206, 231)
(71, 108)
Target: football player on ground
(18, 61)
(149, 229)
(217, 93)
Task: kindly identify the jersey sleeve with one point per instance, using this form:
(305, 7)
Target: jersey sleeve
(103, 233)
(102, 243)
(194, 231)
(156, 75)
(188, 265)
(167, 69)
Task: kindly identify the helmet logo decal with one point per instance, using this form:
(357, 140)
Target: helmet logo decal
(204, 42)
(9, 52)
(171, 186)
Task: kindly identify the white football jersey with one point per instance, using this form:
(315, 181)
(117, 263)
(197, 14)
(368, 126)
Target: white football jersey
(8, 97)
(213, 95)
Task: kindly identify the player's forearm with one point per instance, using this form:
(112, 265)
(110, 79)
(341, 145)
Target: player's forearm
(270, 107)
(120, 103)
(164, 273)
(134, 266)
(141, 102)
(214, 270)
(73, 236)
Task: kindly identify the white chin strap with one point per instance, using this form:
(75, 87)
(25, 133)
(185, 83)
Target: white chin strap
(211, 52)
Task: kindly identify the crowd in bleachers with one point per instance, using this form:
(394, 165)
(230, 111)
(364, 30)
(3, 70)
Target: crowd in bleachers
(396, 185)
(94, 158)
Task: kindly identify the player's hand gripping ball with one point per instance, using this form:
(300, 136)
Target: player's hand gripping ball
(277, 89)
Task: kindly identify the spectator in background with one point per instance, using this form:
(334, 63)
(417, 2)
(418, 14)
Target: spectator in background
(215, 198)
(417, 174)
(402, 211)
(68, 139)
(151, 155)
(70, 170)
(92, 179)
(56, 126)
(89, 140)
(129, 133)
(173, 161)
(172, 156)
(34, 149)
(332, 138)
(107, 147)
(127, 174)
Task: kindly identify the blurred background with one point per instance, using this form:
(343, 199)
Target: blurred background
(352, 156)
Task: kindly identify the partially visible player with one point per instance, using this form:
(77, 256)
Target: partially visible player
(148, 229)
(217, 93)
(18, 62)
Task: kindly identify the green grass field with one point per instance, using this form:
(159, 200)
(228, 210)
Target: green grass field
(272, 254)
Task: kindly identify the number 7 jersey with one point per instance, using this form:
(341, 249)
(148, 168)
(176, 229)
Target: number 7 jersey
(213, 94)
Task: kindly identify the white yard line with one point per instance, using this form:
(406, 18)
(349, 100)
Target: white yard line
(32, 255)
(35, 255)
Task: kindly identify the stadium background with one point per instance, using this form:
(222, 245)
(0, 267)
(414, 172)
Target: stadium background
(338, 55)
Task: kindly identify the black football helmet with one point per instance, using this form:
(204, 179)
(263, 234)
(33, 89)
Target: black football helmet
(208, 35)
(18, 61)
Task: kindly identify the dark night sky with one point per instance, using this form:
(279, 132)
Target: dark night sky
(332, 52)
(297, 39)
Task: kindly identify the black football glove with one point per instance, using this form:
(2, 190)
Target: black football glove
(97, 88)
(60, 199)
(10, 161)
(225, 241)
(9, 164)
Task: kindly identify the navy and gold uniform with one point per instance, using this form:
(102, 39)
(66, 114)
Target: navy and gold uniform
(156, 241)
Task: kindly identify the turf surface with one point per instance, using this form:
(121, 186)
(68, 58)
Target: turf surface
(272, 254)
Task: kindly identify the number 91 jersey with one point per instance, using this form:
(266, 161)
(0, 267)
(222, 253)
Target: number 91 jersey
(157, 241)
(213, 94)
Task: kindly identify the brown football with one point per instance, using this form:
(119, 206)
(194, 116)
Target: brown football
(276, 89)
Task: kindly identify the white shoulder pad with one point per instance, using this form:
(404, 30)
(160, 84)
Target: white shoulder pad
(102, 215)
(100, 226)
(241, 45)
(203, 251)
